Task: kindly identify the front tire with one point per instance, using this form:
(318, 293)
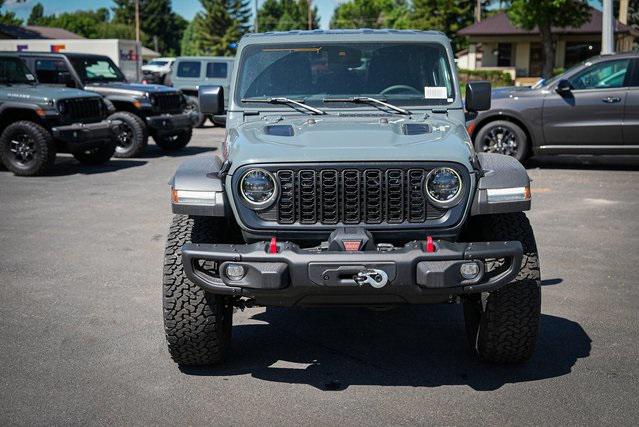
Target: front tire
(27, 149)
(197, 323)
(95, 156)
(502, 326)
(502, 137)
(132, 137)
(174, 142)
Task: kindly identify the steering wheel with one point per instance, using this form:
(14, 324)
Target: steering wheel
(395, 88)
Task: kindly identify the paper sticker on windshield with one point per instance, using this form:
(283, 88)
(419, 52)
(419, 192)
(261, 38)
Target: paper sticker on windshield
(30, 77)
(435, 92)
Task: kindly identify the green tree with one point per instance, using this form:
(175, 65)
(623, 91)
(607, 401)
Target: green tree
(220, 25)
(545, 14)
(284, 15)
(372, 14)
(189, 45)
(448, 16)
(37, 15)
(158, 22)
(8, 17)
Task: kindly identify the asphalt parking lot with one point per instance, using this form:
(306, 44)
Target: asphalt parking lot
(83, 343)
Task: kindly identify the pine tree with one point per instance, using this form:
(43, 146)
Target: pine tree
(448, 16)
(36, 17)
(219, 27)
(284, 15)
(371, 14)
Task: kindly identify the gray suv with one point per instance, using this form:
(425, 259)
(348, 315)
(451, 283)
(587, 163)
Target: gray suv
(593, 108)
(36, 122)
(347, 177)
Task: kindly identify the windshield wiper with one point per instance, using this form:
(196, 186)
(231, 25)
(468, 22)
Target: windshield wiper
(368, 100)
(285, 101)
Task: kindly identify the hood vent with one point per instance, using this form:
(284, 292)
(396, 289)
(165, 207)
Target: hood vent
(416, 129)
(279, 130)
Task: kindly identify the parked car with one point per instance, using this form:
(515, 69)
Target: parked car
(36, 122)
(347, 177)
(144, 110)
(593, 108)
(191, 72)
(157, 70)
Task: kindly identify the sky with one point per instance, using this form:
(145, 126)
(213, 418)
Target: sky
(186, 8)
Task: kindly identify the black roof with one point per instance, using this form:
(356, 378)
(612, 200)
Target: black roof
(67, 54)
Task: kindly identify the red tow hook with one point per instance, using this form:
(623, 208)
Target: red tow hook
(430, 245)
(272, 247)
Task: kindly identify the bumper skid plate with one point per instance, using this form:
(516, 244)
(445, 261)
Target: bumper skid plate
(82, 133)
(409, 270)
(172, 123)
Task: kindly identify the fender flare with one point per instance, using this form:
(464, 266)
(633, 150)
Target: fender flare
(199, 175)
(499, 172)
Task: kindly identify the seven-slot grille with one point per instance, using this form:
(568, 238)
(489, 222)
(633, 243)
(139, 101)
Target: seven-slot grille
(352, 196)
(85, 109)
(168, 102)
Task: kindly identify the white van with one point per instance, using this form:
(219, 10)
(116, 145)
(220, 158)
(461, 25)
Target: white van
(191, 72)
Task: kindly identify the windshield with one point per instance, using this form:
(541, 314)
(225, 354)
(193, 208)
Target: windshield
(401, 73)
(13, 70)
(96, 69)
(158, 63)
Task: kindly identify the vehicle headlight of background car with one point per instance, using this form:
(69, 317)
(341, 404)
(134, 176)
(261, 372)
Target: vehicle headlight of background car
(258, 188)
(443, 187)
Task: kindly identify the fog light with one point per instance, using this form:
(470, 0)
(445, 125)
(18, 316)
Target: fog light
(469, 270)
(235, 271)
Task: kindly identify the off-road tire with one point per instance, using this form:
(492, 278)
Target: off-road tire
(197, 323)
(96, 156)
(139, 135)
(192, 104)
(502, 326)
(523, 148)
(44, 146)
(174, 142)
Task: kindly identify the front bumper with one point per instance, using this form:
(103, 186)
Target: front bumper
(293, 276)
(170, 124)
(81, 136)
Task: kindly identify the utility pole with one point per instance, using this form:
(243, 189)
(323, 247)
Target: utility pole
(607, 29)
(623, 11)
(255, 24)
(310, 16)
(478, 11)
(137, 39)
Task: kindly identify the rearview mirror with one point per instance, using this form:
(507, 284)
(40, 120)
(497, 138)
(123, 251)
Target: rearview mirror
(211, 99)
(478, 96)
(563, 87)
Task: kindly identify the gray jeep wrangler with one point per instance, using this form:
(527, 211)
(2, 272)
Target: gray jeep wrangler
(36, 122)
(347, 177)
(144, 110)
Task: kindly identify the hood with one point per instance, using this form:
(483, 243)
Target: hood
(507, 91)
(353, 139)
(42, 94)
(154, 68)
(134, 89)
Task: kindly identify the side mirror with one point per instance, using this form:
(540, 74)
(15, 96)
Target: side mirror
(65, 78)
(563, 87)
(478, 96)
(211, 99)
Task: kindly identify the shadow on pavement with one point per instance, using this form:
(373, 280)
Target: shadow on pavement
(69, 166)
(621, 163)
(153, 151)
(332, 349)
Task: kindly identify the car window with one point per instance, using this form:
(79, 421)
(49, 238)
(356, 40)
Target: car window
(48, 70)
(216, 70)
(96, 69)
(609, 74)
(13, 70)
(189, 69)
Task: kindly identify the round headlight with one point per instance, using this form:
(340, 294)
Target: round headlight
(258, 188)
(443, 186)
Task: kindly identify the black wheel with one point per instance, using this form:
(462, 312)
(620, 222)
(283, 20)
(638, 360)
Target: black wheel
(132, 137)
(174, 142)
(96, 155)
(502, 137)
(502, 326)
(197, 324)
(192, 104)
(26, 148)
